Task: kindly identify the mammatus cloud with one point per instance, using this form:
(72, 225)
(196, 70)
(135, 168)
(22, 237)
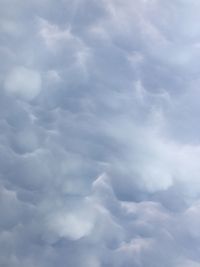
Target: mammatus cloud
(23, 82)
(99, 142)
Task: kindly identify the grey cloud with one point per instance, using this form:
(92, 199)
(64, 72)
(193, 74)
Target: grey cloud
(99, 142)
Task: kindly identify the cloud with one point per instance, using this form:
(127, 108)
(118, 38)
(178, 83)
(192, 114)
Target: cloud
(23, 83)
(99, 140)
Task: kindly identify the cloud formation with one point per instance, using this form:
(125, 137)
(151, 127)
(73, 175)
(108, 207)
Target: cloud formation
(99, 142)
(23, 82)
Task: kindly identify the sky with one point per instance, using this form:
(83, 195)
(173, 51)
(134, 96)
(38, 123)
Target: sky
(99, 133)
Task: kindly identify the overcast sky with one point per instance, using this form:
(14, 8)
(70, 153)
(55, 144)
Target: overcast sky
(100, 133)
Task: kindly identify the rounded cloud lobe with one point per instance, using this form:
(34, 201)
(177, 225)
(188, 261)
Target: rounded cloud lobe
(99, 142)
(23, 82)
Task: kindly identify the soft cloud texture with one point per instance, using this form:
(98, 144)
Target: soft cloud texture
(99, 142)
(23, 82)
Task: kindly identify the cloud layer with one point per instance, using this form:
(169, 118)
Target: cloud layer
(99, 142)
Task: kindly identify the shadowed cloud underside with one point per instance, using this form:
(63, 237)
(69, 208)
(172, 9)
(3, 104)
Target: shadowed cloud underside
(99, 133)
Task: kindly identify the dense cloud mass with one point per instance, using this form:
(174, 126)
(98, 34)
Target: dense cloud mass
(100, 133)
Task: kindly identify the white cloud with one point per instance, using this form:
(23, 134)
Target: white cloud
(51, 33)
(23, 82)
(68, 225)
